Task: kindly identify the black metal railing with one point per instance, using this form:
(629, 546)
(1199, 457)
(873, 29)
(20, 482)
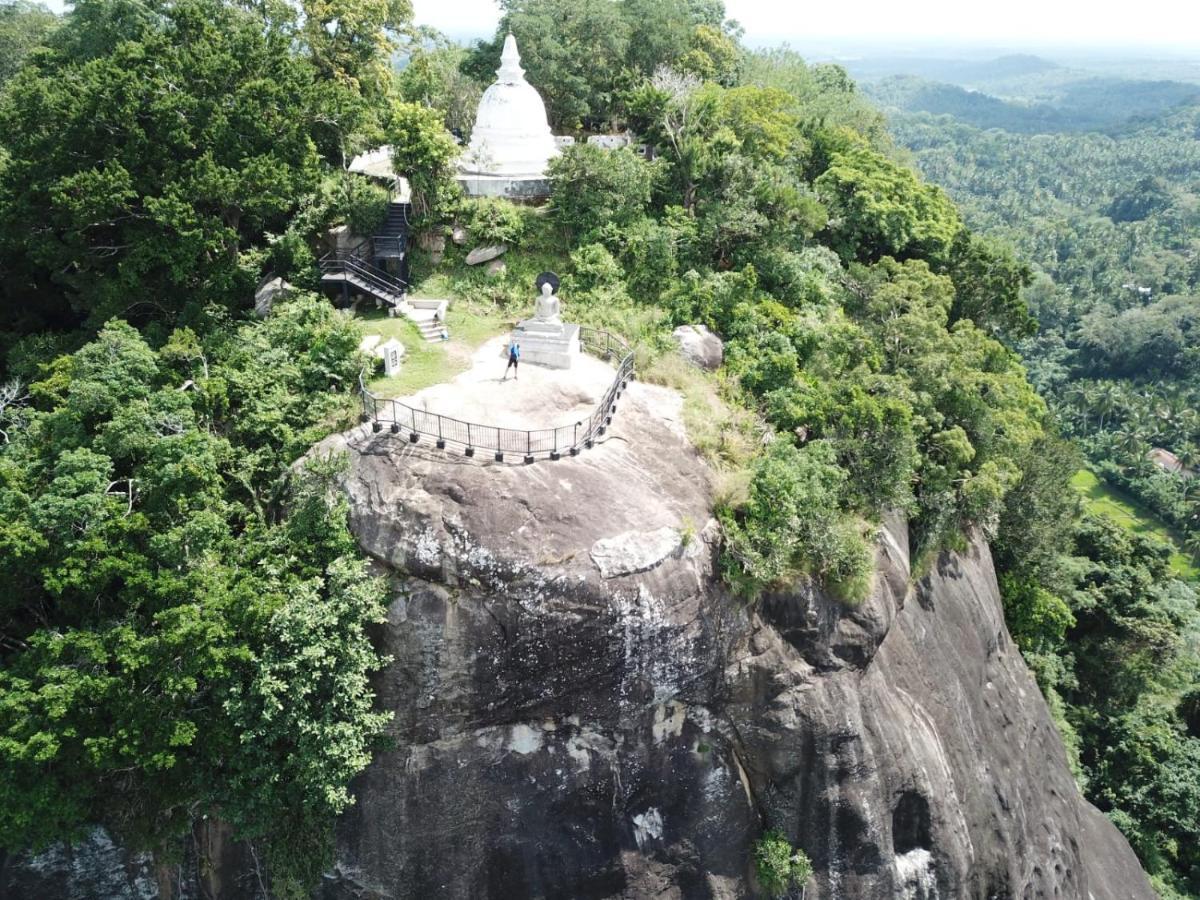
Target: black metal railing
(389, 245)
(528, 443)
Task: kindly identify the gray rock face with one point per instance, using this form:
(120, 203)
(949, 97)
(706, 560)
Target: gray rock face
(484, 254)
(268, 291)
(699, 346)
(210, 865)
(581, 711)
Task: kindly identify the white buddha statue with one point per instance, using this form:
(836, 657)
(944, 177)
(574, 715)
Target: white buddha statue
(511, 136)
(548, 306)
(545, 338)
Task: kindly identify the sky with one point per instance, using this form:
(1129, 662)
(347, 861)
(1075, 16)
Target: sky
(1097, 23)
(1104, 24)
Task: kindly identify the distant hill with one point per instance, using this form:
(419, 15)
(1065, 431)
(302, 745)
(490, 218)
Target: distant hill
(1088, 104)
(953, 71)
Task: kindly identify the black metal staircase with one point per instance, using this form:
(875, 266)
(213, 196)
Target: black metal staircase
(355, 273)
(391, 241)
(377, 267)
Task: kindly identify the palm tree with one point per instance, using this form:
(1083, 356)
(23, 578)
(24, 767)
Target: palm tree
(1079, 398)
(1189, 423)
(1106, 400)
(1144, 421)
(1189, 457)
(1131, 441)
(1192, 544)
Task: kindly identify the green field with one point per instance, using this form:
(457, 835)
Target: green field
(1104, 500)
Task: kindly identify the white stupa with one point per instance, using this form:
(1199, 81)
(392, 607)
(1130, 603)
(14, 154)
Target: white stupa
(511, 144)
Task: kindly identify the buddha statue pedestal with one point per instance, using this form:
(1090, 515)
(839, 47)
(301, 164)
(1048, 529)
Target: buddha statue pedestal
(545, 339)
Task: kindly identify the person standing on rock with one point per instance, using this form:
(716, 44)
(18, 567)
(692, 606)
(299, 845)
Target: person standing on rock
(514, 356)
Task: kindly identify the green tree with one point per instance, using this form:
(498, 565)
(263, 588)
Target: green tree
(988, 281)
(879, 208)
(709, 134)
(790, 524)
(350, 44)
(592, 188)
(24, 26)
(433, 77)
(660, 32)
(778, 865)
(351, 40)
(424, 152)
(171, 588)
(147, 153)
(712, 55)
(823, 96)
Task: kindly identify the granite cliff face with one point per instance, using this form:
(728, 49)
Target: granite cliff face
(581, 711)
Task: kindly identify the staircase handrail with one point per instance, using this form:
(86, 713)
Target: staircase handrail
(351, 261)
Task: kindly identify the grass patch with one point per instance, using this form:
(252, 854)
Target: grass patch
(540, 248)
(728, 437)
(428, 364)
(1102, 499)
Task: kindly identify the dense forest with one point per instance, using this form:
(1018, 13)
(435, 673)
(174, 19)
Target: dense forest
(1110, 222)
(186, 631)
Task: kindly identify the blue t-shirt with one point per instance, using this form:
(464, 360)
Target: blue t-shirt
(514, 351)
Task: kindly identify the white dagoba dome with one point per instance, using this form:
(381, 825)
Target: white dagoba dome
(511, 135)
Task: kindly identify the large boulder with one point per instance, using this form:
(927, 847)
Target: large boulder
(485, 254)
(569, 668)
(269, 290)
(700, 346)
(432, 241)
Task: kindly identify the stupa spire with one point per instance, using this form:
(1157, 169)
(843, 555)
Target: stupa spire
(510, 71)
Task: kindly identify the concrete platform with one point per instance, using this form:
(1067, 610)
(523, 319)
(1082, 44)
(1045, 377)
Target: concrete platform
(539, 397)
(553, 350)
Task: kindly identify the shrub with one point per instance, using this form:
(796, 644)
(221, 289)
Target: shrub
(363, 205)
(593, 269)
(791, 524)
(647, 250)
(493, 220)
(779, 865)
